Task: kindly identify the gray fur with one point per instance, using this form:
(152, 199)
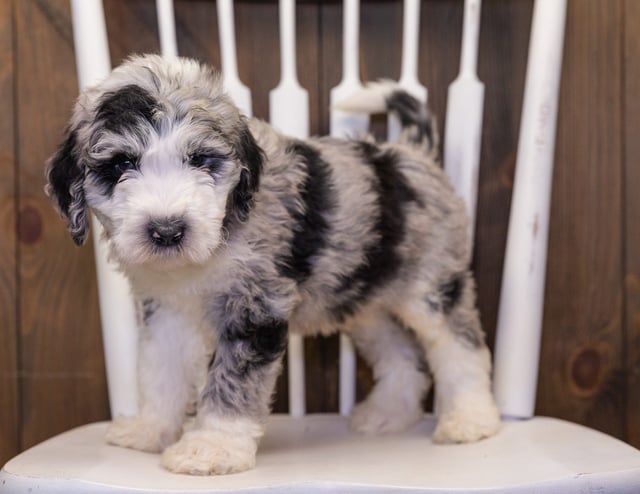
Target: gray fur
(235, 274)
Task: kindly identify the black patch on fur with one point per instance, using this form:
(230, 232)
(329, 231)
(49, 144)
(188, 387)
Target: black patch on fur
(65, 178)
(241, 199)
(381, 259)
(108, 173)
(125, 109)
(411, 112)
(450, 293)
(208, 159)
(256, 343)
(64, 172)
(311, 227)
(246, 348)
(130, 109)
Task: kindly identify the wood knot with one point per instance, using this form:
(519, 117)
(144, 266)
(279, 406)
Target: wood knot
(29, 225)
(586, 371)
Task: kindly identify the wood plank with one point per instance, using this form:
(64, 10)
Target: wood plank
(197, 30)
(504, 42)
(9, 393)
(63, 381)
(631, 100)
(258, 50)
(132, 27)
(582, 370)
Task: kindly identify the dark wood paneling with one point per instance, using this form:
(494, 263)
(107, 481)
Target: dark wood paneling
(9, 404)
(504, 41)
(631, 136)
(132, 27)
(582, 371)
(197, 30)
(62, 368)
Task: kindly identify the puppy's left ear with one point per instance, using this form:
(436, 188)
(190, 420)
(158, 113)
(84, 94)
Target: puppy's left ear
(251, 157)
(65, 187)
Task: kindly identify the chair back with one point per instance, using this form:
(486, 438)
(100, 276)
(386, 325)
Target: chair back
(516, 353)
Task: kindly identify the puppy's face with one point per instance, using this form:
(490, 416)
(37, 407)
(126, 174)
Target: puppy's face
(163, 159)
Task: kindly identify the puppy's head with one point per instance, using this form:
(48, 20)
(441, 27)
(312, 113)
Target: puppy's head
(162, 157)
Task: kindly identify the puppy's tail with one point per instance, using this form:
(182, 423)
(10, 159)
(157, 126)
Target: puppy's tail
(419, 127)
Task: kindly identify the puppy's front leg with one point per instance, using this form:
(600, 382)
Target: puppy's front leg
(171, 350)
(236, 400)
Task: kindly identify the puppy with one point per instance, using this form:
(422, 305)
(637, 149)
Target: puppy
(232, 235)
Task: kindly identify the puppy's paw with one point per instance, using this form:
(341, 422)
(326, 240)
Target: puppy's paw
(373, 417)
(141, 433)
(467, 424)
(207, 452)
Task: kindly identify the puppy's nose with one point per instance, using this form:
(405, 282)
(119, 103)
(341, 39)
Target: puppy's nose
(167, 232)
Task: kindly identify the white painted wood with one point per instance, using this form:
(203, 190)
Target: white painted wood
(465, 103)
(296, 376)
(344, 124)
(240, 93)
(319, 454)
(410, 43)
(117, 310)
(289, 112)
(90, 42)
(348, 370)
(289, 102)
(167, 28)
(522, 297)
(409, 63)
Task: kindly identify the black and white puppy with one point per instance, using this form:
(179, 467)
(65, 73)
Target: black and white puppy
(232, 235)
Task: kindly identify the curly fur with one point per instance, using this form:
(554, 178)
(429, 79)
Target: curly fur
(232, 235)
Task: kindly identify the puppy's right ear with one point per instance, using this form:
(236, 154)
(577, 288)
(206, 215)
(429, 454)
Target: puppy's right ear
(65, 187)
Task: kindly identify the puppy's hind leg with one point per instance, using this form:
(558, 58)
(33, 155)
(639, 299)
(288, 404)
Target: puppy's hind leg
(448, 326)
(400, 371)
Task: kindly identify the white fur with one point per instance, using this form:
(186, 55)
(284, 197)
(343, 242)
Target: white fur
(174, 348)
(217, 445)
(466, 409)
(395, 403)
(372, 98)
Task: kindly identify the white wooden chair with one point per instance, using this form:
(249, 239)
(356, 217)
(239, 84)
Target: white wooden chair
(318, 453)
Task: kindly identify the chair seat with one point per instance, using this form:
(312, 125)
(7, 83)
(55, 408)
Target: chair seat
(318, 453)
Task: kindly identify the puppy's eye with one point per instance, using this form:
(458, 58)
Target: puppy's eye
(122, 162)
(209, 160)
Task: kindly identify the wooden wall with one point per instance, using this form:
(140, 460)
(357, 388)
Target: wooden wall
(51, 364)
